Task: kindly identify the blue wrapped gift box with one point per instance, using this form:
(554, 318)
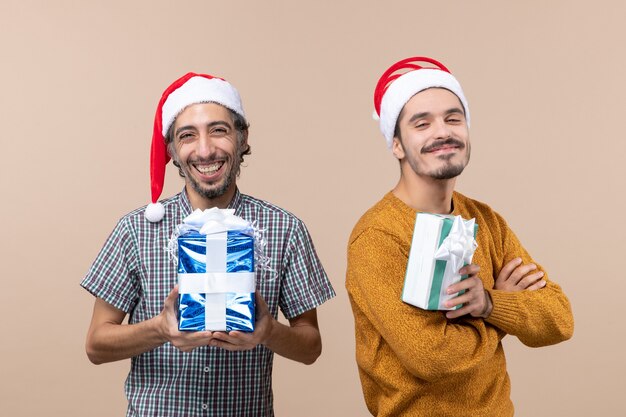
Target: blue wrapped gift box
(216, 281)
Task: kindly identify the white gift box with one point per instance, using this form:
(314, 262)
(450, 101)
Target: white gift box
(441, 246)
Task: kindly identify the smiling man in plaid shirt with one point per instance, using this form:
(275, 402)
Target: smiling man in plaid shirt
(201, 125)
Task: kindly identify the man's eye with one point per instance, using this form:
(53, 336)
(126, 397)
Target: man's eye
(421, 125)
(185, 136)
(221, 131)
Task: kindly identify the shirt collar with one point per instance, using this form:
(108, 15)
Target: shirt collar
(185, 204)
(235, 203)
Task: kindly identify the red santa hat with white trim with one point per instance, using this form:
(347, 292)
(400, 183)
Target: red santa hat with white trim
(402, 81)
(189, 89)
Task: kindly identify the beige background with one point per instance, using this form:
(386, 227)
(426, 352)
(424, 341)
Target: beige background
(81, 80)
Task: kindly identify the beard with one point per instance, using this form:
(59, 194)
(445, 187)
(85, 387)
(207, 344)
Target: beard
(449, 169)
(211, 193)
(214, 190)
(448, 172)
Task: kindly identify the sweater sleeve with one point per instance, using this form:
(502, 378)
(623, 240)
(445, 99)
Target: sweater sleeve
(537, 318)
(427, 344)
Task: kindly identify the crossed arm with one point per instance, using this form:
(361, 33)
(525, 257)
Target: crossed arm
(376, 299)
(476, 301)
(537, 318)
(109, 340)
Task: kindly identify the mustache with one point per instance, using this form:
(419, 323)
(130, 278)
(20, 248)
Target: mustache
(440, 143)
(210, 160)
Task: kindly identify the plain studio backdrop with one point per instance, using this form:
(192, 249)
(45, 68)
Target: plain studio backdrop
(81, 81)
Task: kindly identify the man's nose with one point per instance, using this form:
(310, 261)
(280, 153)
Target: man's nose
(443, 130)
(205, 146)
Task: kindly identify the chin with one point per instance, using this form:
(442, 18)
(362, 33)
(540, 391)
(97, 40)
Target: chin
(448, 171)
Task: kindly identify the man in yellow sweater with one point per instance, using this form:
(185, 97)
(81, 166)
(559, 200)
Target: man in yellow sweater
(414, 362)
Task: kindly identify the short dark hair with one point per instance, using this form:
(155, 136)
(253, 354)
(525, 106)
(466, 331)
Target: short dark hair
(396, 129)
(241, 129)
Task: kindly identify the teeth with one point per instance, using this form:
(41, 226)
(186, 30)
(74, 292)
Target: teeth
(209, 169)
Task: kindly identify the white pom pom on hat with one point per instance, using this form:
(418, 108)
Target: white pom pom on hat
(189, 89)
(402, 81)
(154, 212)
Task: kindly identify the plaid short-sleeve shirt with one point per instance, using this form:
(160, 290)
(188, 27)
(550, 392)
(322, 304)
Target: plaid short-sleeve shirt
(134, 273)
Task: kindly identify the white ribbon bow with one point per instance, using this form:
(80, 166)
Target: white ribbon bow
(216, 220)
(459, 246)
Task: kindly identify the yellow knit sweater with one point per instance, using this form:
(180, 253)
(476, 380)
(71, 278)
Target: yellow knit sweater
(414, 362)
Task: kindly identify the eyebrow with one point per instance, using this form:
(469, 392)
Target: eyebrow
(192, 127)
(421, 115)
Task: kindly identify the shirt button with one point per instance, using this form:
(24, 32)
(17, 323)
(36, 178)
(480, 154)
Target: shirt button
(207, 369)
(205, 406)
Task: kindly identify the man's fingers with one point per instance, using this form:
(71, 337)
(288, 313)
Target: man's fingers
(224, 336)
(188, 341)
(226, 345)
(458, 313)
(234, 337)
(461, 299)
(530, 279)
(203, 336)
(472, 287)
(536, 285)
(520, 272)
(471, 269)
(234, 340)
(472, 301)
(508, 269)
(466, 284)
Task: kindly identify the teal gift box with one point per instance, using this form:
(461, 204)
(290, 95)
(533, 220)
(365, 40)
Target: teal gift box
(440, 247)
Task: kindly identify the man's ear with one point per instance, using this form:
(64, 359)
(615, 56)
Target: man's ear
(169, 147)
(397, 149)
(244, 143)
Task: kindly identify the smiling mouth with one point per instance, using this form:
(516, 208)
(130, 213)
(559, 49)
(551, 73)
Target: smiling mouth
(208, 169)
(446, 145)
(443, 148)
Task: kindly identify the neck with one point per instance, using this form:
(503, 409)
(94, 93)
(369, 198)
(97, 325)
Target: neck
(200, 202)
(425, 193)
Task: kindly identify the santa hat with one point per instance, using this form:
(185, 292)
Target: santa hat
(189, 89)
(402, 81)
